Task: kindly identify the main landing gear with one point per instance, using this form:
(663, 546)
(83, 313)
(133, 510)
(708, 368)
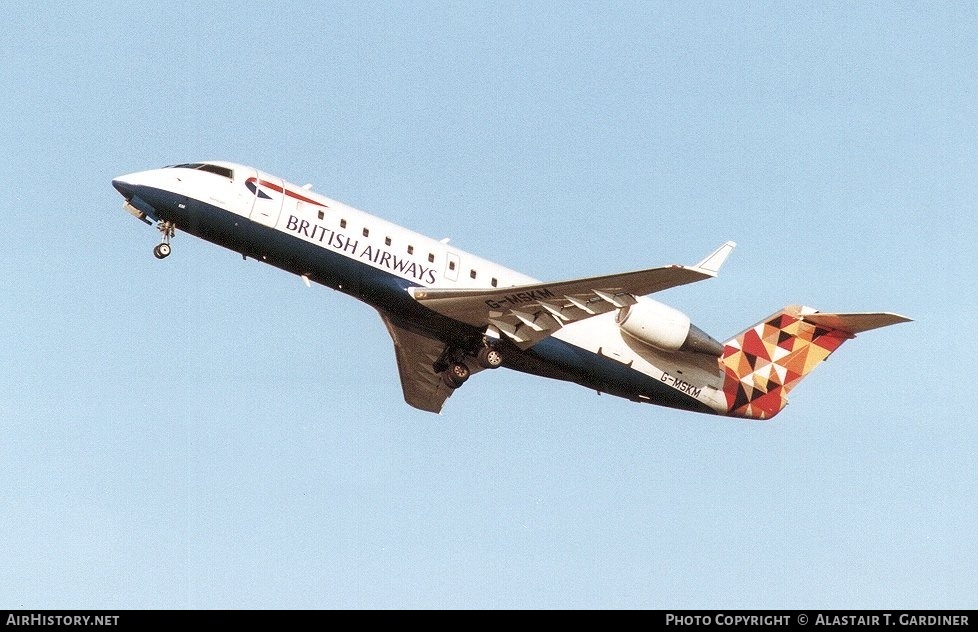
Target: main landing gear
(455, 375)
(168, 229)
(489, 357)
(453, 369)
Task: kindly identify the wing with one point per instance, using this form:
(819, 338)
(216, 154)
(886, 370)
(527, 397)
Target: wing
(416, 354)
(529, 313)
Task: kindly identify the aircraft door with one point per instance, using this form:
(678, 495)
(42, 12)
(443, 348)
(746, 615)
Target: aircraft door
(290, 206)
(268, 194)
(243, 199)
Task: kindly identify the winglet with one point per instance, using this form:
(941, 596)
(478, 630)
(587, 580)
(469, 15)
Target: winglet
(711, 264)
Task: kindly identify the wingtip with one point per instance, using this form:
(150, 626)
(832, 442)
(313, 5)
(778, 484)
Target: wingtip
(712, 263)
(899, 318)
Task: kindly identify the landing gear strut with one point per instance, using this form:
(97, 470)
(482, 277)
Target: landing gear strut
(168, 229)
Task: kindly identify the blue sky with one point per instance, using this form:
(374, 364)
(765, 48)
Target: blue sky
(208, 432)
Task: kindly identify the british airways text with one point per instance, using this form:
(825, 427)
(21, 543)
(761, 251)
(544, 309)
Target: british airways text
(374, 254)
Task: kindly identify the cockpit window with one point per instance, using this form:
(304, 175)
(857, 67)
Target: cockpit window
(209, 168)
(221, 171)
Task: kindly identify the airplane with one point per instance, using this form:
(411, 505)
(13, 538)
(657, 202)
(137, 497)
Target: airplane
(452, 314)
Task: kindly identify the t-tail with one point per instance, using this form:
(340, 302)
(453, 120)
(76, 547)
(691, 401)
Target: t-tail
(762, 364)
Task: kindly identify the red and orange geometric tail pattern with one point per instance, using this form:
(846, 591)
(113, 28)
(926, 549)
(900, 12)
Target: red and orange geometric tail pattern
(765, 362)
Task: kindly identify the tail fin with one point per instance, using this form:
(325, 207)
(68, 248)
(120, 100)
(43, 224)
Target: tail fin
(762, 364)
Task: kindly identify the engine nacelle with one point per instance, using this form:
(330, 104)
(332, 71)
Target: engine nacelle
(666, 329)
(655, 324)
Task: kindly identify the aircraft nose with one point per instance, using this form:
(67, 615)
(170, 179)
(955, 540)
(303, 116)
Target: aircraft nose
(124, 187)
(138, 197)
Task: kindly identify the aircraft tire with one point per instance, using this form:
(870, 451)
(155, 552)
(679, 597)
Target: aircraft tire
(489, 358)
(162, 251)
(455, 375)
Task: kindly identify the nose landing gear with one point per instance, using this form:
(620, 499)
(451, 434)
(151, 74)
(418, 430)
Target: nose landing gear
(168, 229)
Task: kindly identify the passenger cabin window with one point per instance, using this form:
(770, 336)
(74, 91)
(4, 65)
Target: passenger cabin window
(410, 250)
(431, 258)
(322, 215)
(387, 241)
(494, 282)
(366, 232)
(472, 274)
(451, 265)
(342, 223)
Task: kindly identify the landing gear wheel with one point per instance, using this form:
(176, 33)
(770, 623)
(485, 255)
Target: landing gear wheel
(167, 230)
(489, 358)
(455, 375)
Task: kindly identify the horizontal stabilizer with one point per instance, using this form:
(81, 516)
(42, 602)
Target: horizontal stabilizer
(855, 323)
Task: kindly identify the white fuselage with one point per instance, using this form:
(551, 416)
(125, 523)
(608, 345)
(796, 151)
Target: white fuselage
(369, 241)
